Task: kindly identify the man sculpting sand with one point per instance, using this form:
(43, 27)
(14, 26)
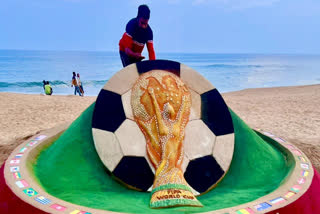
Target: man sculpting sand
(138, 33)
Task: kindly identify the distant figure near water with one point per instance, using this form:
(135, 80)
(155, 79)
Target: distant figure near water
(80, 84)
(47, 88)
(44, 83)
(137, 34)
(75, 84)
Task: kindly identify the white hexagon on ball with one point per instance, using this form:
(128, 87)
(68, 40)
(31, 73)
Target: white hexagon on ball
(223, 150)
(132, 141)
(126, 103)
(199, 140)
(195, 110)
(108, 148)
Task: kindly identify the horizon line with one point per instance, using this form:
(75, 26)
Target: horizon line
(173, 52)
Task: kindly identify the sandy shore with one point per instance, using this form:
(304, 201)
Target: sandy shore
(289, 112)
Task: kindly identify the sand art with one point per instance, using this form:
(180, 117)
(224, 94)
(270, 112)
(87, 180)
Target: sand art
(241, 170)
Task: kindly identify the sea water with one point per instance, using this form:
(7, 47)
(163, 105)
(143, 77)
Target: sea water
(23, 71)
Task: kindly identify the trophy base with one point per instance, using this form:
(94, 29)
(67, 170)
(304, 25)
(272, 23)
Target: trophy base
(173, 195)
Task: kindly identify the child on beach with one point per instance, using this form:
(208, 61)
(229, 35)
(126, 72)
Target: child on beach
(47, 88)
(75, 84)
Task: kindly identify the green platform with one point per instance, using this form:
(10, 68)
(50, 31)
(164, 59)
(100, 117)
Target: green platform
(70, 169)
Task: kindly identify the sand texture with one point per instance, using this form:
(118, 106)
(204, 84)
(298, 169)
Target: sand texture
(292, 113)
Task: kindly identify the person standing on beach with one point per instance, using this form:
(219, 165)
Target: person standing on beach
(80, 84)
(75, 84)
(138, 33)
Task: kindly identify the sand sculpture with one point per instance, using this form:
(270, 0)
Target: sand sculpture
(159, 135)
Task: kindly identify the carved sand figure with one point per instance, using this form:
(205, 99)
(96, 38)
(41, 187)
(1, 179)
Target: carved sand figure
(161, 106)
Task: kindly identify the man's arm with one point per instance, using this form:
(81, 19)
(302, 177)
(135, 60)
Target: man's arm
(127, 42)
(152, 55)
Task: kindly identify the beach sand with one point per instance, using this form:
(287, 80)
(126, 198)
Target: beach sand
(292, 113)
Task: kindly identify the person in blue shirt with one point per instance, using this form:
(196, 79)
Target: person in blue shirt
(138, 33)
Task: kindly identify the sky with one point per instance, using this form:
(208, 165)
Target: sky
(184, 26)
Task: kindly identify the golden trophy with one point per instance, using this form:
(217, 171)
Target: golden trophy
(161, 105)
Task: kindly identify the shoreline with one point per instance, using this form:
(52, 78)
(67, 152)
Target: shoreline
(289, 112)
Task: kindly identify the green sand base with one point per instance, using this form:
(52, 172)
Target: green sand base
(71, 170)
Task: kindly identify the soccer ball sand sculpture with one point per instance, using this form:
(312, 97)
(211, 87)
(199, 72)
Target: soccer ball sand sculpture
(159, 127)
(160, 104)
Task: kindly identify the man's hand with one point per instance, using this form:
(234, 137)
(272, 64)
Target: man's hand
(138, 56)
(141, 57)
(129, 52)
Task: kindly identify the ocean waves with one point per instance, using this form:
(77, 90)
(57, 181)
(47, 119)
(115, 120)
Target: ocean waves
(54, 83)
(23, 71)
(232, 66)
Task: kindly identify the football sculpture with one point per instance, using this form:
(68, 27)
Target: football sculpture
(122, 137)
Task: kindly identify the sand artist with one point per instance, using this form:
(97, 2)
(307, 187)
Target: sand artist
(161, 106)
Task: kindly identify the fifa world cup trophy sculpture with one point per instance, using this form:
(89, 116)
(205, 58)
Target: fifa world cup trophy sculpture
(161, 105)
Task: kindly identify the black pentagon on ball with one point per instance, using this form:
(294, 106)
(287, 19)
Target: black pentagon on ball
(215, 113)
(134, 171)
(167, 65)
(202, 173)
(108, 113)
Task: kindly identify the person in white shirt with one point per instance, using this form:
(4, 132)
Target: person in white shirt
(80, 84)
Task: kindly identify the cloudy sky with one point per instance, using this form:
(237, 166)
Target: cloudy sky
(200, 26)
